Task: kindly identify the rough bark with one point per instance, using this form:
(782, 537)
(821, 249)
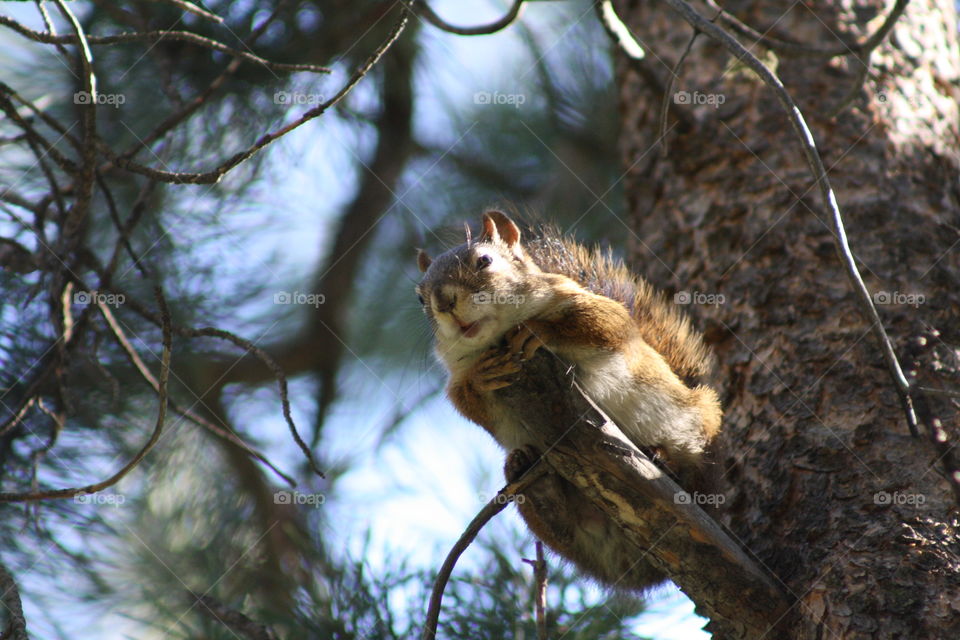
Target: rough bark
(827, 487)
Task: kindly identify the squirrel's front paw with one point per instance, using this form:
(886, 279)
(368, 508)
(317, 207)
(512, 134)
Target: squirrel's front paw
(487, 374)
(523, 342)
(519, 461)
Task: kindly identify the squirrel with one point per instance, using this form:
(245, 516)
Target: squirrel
(493, 302)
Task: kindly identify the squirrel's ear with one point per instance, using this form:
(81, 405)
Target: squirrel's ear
(497, 226)
(423, 260)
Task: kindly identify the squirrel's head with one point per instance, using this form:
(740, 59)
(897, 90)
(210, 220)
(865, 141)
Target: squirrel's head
(473, 293)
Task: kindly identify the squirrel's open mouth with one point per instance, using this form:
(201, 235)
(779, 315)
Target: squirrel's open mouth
(470, 330)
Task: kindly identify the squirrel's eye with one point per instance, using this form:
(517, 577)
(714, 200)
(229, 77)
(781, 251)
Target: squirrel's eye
(422, 301)
(484, 261)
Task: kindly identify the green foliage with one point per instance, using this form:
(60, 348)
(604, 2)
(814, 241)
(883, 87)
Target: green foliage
(198, 515)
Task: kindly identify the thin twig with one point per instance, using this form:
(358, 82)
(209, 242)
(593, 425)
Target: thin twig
(951, 393)
(137, 210)
(88, 110)
(489, 510)
(17, 417)
(175, 119)
(427, 13)
(33, 136)
(864, 51)
(618, 31)
(801, 50)
(668, 94)
(154, 437)
(190, 7)
(157, 36)
(278, 373)
(214, 176)
(124, 236)
(49, 120)
(134, 357)
(627, 44)
(812, 156)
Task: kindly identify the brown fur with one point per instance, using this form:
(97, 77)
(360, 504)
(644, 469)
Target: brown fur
(626, 341)
(660, 323)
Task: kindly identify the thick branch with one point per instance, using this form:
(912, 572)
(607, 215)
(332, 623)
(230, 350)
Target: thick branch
(584, 447)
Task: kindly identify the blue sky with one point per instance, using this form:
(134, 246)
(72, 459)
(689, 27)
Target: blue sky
(415, 493)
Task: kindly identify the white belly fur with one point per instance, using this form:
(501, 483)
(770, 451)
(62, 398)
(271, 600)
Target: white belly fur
(647, 415)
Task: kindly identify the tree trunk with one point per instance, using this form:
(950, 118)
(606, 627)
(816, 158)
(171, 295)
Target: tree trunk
(825, 484)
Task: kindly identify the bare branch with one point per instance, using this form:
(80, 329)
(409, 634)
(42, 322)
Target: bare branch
(618, 31)
(489, 510)
(190, 7)
(218, 431)
(214, 176)
(668, 94)
(815, 164)
(33, 136)
(625, 42)
(952, 393)
(278, 374)
(88, 119)
(174, 119)
(426, 12)
(154, 437)
(157, 36)
(800, 50)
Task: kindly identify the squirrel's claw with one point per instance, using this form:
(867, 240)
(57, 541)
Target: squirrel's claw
(523, 342)
(493, 366)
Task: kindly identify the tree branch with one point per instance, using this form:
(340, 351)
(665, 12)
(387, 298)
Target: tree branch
(489, 510)
(154, 437)
(427, 13)
(155, 37)
(579, 443)
(214, 175)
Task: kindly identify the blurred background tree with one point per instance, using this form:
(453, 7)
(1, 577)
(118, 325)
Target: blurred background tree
(113, 191)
